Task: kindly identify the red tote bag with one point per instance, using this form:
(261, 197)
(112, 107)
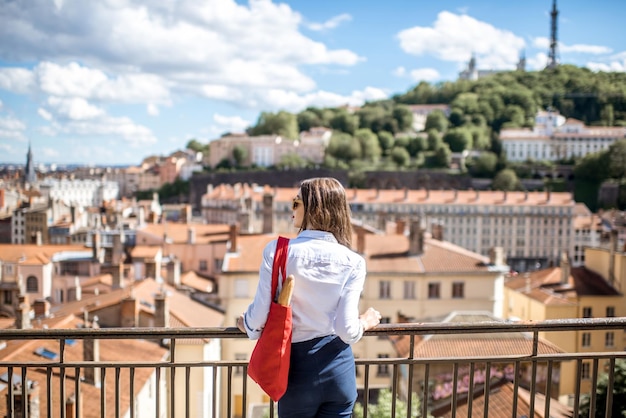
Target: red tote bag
(269, 362)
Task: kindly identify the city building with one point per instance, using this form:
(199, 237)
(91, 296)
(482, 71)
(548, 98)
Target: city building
(533, 228)
(555, 138)
(82, 193)
(269, 150)
(594, 290)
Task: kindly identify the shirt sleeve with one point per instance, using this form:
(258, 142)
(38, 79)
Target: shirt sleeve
(256, 315)
(347, 324)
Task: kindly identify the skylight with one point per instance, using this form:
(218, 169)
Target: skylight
(44, 352)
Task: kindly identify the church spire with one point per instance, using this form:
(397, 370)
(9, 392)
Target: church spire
(30, 177)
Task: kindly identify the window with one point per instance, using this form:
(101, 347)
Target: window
(434, 291)
(203, 265)
(586, 371)
(610, 311)
(609, 339)
(384, 289)
(409, 289)
(241, 288)
(587, 312)
(32, 285)
(44, 352)
(8, 297)
(383, 369)
(458, 290)
(586, 342)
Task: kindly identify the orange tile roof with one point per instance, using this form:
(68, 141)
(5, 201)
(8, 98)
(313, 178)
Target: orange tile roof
(546, 286)
(145, 251)
(191, 279)
(32, 254)
(501, 401)
(110, 350)
(411, 197)
(179, 232)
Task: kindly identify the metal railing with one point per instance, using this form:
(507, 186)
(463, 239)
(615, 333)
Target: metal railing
(409, 376)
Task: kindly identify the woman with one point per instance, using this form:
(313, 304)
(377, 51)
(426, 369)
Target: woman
(329, 279)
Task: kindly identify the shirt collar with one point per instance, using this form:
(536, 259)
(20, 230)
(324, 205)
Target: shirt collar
(315, 234)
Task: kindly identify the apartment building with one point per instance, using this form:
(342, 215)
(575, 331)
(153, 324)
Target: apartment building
(533, 228)
(594, 290)
(555, 138)
(268, 150)
(80, 193)
(406, 276)
(30, 224)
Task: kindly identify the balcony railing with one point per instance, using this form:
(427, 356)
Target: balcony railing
(66, 392)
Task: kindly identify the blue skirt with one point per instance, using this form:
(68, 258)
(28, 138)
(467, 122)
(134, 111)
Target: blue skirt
(322, 380)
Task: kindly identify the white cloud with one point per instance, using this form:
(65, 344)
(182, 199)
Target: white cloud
(155, 47)
(74, 109)
(456, 37)
(537, 62)
(418, 74)
(230, 123)
(613, 66)
(12, 128)
(11, 124)
(45, 114)
(152, 109)
(16, 80)
(585, 49)
(331, 23)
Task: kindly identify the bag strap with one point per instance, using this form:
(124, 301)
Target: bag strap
(280, 263)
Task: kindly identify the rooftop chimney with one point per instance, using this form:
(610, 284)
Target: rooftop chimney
(565, 268)
(161, 310)
(74, 407)
(41, 308)
(22, 320)
(268, 213)
(360, 240)
(232, 238)
(191, 235)
(437, 231)
(32, 400)
(496, 256)
(416, 238)
(129, 312)
(91, 353)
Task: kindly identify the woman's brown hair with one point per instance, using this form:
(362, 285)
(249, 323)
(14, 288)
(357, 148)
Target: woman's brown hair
(326, 208)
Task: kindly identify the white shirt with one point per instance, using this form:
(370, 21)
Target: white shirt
(329, 279)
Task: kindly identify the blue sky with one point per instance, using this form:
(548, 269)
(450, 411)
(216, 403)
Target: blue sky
(114, 81)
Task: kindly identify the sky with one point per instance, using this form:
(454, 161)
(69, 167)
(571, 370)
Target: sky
(110, 82)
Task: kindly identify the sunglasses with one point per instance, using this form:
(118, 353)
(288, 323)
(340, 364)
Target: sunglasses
(296, 202)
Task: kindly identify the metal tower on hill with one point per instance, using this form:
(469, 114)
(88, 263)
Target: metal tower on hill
(552, 55)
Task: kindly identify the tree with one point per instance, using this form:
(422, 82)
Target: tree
(436, 120)
(434, 139)
(443, 156)
(618, 407)
(308, 119)
(400, 156)
(506, 180)
(382, 409)
(345, 122)
(344, 147)
(459, 139)
(370, 148)
(197, 146)
(617, 159)
(403, 116)
(282, 123)
(386, 141)
(292, 161)
(484, 165)
(239, 155)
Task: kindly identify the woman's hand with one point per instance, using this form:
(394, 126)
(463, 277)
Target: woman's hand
(370, 319)
(240, 324)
